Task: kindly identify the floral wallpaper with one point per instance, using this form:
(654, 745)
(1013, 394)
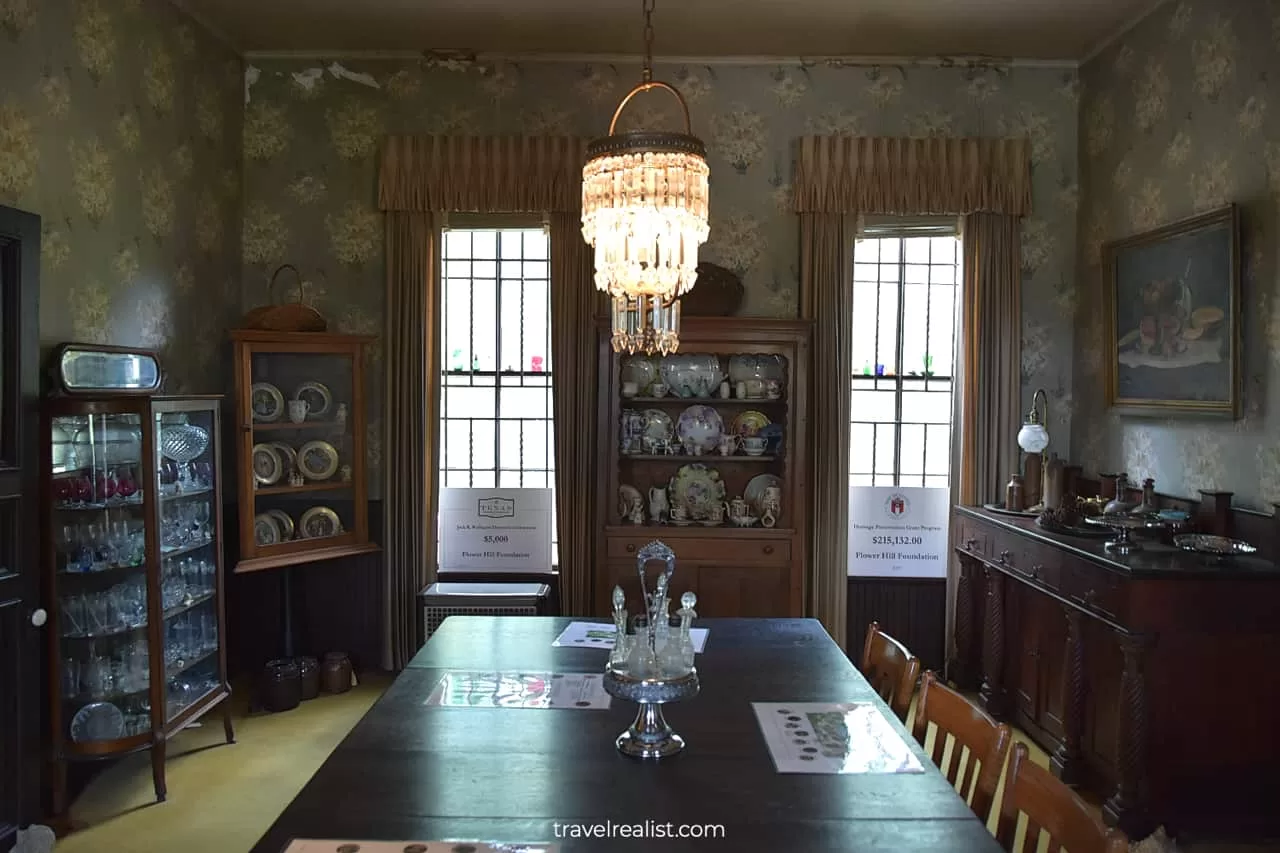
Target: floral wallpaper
(120, 126)
(312, 131)
(1180, 116)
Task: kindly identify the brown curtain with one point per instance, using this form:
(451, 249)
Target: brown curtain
(837, 177)
(573, 390)
(826, 275)
(410, 422)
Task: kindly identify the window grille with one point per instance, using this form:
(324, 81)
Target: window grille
(496, 421)
(905, 287)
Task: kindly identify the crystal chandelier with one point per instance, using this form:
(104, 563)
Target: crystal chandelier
(644, 210)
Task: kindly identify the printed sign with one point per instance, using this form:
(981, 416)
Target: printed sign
(898, 531)
(495, 530)
(823, 737)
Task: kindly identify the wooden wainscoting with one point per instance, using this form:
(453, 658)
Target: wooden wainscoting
(911, 610)
(337, 606)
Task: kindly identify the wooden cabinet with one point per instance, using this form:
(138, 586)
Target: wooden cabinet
(735, 570)
(300, 447)
(1145, 676)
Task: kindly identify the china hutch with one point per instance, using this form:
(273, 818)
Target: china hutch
(705, 450)
(301, 447)
(131, 499)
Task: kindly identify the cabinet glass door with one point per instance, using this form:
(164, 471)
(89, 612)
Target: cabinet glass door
(303, 450)
(99, 534)
(188, 528)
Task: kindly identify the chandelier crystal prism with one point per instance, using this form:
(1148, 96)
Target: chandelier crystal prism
(644, 211)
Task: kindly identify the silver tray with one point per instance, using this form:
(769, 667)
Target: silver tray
(1216, 546)
(999, 508)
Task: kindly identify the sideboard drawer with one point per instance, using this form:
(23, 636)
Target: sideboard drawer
(1098, 590)
(1043, 564)
(707, 550)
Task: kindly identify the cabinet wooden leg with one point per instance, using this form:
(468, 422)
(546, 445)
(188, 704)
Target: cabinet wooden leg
(961, 670)
(227, 725)
(157, 770)
(1067, 761)
(992, 695)
(1126, 808)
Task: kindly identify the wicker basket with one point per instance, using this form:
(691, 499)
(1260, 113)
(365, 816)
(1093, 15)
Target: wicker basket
(289, 317)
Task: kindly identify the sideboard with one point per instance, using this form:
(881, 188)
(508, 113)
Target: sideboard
(1150, 679)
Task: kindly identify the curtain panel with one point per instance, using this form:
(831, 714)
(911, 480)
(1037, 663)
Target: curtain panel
(422, 179)
(838, 178)
(410, 422)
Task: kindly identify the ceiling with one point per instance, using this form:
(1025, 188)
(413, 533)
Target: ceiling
(1025, 29)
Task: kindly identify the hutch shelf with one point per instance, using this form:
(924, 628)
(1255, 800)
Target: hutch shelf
(300, 415)
(132, 525)
(705, 450)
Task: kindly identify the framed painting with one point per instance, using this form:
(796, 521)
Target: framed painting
(1173, 309)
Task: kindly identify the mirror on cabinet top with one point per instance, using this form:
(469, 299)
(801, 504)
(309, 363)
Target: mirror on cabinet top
(85, 369)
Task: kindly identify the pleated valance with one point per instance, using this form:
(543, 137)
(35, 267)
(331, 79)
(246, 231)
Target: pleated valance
(482, 174)
(851, 174)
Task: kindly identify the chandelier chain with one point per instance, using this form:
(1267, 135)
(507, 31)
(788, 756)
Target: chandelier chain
(647, 72)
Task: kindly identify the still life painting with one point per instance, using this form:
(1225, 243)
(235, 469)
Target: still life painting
(1173, 300)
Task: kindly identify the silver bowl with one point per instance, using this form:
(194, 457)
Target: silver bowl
(649, 735)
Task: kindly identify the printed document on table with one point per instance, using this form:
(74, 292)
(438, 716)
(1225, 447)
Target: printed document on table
(316, 845)
(468, 689)
(600, 635)
(827, 737)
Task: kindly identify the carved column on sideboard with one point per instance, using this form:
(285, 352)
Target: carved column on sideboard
(961, 669)
(1127, 806)
(992, 694)
(1214, 513)
(1067, 761)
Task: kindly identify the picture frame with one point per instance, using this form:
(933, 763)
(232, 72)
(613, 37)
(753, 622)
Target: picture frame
(1172, 298)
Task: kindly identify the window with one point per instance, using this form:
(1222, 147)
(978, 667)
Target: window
(496, 425)
(905, 285)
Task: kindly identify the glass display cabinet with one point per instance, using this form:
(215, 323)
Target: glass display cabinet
(300, 408)
(705, 450)
(131, 495)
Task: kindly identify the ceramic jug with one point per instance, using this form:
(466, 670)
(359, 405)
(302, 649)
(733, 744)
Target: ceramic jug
(658, 506)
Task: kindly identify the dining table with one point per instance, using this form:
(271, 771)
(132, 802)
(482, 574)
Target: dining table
(415, 772)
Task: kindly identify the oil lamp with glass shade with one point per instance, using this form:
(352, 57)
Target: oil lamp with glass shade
(1033, 438)
(644, 211)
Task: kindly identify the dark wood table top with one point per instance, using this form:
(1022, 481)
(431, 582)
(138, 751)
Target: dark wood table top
(416, 773)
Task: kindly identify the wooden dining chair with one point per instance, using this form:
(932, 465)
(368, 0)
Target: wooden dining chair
(1053, 807)
(891, 669)
(979, 745)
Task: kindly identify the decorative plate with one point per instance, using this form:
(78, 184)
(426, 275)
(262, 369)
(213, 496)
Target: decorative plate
(749, 423)
(754, 493)
(265, 529)
(697, 488)
(317, 396)
(268, 467)
(266, 401)
(317, 460)
(97, 721)
(1218, 546)
(318, 522)
(700, 425)
(657, 425)
(288, 456)
(284, 522)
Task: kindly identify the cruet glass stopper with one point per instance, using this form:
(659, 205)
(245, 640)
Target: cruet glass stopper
(619, 599)
(688, 600)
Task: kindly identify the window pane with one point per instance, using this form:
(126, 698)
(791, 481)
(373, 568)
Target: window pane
(464, 402)
(537, 325)
(511, 317)
(457, 479)
(484, 269)
(917, 274)
(884, 448)
(942, 250)
(456, 453)
(941, 329)
(861, 437)
(936, 482)
(872, 405)
(866, 272)
(482, 444)
(457, 269)
(535, 243)
(915, 308)
(866, 251)
(536, 447)
(511, 241)
(510, 445)
(485, 311)
(510, 480)
(884, 480)
(912, 454)
(916, 250)
(526, 403)
(926, 407)
(887, 343)
(457, 324)
(484, 244)
(890, 250)
(457, 244)
(864, 328)
(483, 479)
(937, 446)
(942, 274)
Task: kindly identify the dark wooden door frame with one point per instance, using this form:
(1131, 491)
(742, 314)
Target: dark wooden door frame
(20, 702)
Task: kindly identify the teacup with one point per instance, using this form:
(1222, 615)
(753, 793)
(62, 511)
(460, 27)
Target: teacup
(659, 389)
(678, 513)
(753, 445)
(728, 444)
